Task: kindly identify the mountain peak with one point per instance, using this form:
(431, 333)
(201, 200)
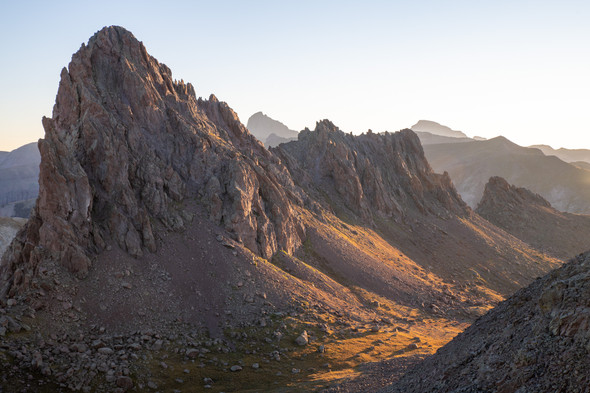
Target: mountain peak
(269, 131)
(437, 129)
(499, 192)
(325, 125)
(125, 148)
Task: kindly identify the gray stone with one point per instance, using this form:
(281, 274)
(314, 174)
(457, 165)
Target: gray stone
(124, 382)
(303, 339)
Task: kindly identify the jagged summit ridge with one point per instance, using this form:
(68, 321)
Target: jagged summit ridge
(385, 174)
(126, 146)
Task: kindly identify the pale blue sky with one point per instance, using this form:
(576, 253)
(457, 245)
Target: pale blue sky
(517, 68)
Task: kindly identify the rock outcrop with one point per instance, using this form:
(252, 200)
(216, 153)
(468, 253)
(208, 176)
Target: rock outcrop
(536, 341)
(529, 217)
(126, 147)
(384, 174)
(499, 194)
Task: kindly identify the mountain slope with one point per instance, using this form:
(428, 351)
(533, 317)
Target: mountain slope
(471, 164)
(384, 180)
(536, 341)
(531, 218)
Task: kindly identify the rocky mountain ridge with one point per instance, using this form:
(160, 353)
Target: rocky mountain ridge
(384, 174)
(529, 217)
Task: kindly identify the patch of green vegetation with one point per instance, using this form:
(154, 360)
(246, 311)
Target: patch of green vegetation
(252, 345)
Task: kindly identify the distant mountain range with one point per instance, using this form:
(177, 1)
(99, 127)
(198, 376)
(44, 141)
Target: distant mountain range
(567, 155)
(19, 176)
(471, 164)
(529, 217)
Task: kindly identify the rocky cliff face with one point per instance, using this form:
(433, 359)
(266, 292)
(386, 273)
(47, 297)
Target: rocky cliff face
(126, 147)
(384, 174)
(529, 217)
(536, 341)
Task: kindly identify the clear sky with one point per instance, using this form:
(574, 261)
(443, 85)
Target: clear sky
(516, 68)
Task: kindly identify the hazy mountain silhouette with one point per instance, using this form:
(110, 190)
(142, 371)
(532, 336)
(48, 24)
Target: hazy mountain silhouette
(269, 131)
(436, 129)
(19, 173)
(471, 164)
(567, 155)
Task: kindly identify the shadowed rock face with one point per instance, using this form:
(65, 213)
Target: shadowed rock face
(384, 174)
(126, 145)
